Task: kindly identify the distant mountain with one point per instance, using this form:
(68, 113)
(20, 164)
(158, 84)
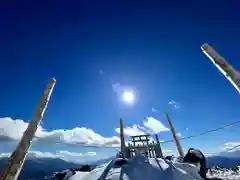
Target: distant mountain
(233, 154)
(225, 159)
(38, 168)
(102, 161)
(227, 162)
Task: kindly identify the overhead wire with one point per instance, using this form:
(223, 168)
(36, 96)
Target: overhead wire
(224, 151)
(205, 132)
(183, 138)
(234, 147)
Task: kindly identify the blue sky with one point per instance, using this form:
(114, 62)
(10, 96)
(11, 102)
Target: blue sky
(151, 47)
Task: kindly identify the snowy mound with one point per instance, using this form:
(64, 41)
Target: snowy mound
(140, 168)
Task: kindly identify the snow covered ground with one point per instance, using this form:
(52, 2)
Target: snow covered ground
(225, 174)
(142, 168)
(222, 174)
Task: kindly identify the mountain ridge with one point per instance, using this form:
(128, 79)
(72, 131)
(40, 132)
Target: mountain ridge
(39, 168)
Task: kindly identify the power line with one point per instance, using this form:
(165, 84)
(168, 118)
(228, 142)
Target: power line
(205, 132)
(226, 150)
(183, 138)
(168, 141)
(234, 147)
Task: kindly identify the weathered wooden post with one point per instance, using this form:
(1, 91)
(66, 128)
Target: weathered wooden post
(122, 140)
(178, 144)
(159, 152)
(223, 66)
(17, 158)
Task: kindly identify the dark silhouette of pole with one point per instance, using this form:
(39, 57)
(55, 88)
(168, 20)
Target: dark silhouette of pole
(160, 148)
(122, 141)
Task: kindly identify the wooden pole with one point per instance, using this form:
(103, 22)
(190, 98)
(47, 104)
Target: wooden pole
(122, 141)
(223, 66)
(178, 144)
(17, 158)
(160, 148)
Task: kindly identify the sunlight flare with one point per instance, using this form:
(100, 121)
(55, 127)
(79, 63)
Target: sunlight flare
(128, 97)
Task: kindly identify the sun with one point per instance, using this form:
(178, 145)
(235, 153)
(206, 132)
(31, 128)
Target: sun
(128, 97)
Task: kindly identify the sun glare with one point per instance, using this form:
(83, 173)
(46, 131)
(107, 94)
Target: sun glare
(128, 97)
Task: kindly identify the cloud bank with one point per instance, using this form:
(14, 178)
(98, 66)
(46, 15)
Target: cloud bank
(150, 126)
(232, 146)
(64, 155)
(75, 157)
(12, 130)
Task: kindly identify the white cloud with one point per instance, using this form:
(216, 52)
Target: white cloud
(150, 126)
(13, 130)
(3, 155)
(179, 134)
(79, 135)
(132, 131)
(155, 110)
(175, 104)
(64, 155)
(230, 149)
(154, 125)
(232, 146)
